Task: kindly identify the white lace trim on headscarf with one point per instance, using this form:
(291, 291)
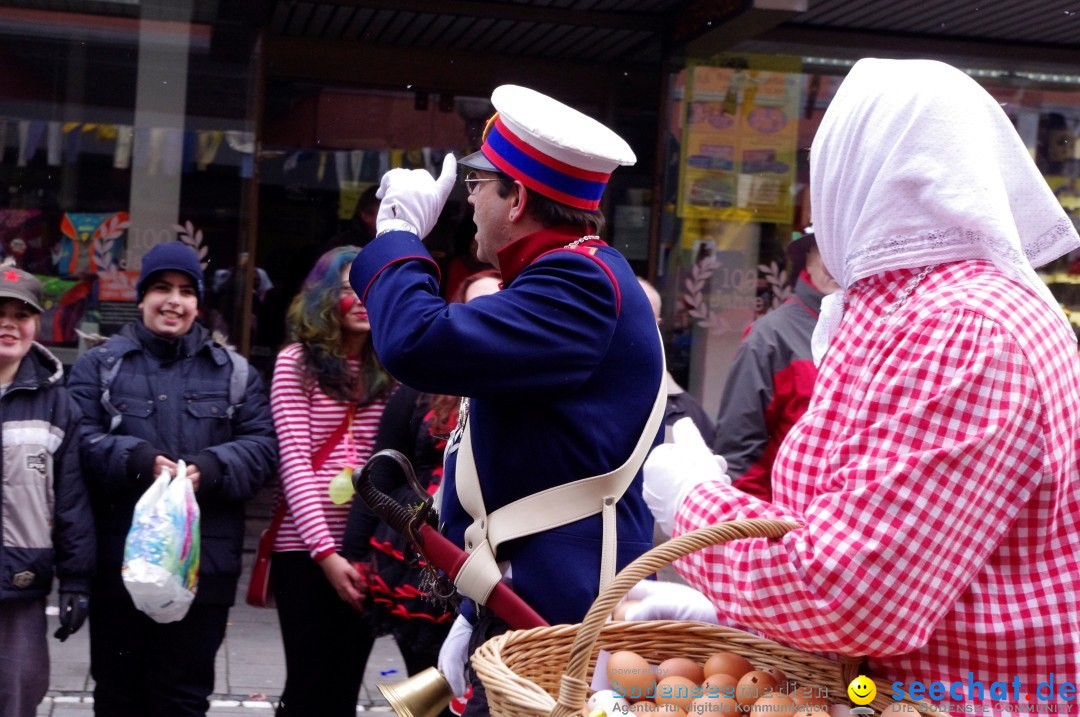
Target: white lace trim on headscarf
(915, 164)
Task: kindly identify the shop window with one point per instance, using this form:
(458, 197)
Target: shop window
(121, 126)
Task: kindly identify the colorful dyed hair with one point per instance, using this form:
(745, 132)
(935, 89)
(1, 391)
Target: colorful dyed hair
(314, 320)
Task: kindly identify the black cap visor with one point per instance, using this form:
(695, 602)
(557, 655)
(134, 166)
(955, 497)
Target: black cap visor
(477, 160)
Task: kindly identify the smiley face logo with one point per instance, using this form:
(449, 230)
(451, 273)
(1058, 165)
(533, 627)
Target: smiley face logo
(862, 690)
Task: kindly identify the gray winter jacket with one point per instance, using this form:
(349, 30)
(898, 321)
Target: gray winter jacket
(46, 519)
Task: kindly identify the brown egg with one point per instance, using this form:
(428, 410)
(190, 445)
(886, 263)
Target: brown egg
(681, 667)
(651, 708)
(772, 705)
(777, 674)
(753, 686)
(839, 710)
(729, 664)
(717, 704)
(810, 698)
(677, 691)
(720, 684)
(619, 613)
(807, 712)
(630, 676)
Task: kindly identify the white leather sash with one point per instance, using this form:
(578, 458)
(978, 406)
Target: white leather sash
(548, 509)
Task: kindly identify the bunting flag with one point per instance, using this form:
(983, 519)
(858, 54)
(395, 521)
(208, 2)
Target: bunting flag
(31, 132)
(125, 136)
(54, 142)
(208, 142)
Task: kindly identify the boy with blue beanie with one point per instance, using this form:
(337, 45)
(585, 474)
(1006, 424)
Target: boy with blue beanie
(161, 391)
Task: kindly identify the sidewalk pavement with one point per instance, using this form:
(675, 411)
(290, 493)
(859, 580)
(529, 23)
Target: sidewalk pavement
(250, 664)
(250, 668)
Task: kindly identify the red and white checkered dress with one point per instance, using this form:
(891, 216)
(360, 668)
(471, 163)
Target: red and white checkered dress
(935, 475)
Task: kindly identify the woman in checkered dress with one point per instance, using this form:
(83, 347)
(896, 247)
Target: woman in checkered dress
(934, 474)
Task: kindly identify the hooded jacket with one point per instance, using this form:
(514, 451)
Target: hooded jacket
(768, 389)
(173, 399)
(46, 519)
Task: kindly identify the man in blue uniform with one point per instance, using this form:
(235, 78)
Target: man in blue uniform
(563, 367)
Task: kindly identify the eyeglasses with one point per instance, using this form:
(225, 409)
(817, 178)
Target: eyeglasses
(472, 182)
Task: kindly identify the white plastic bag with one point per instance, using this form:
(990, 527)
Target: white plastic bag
(161, 553)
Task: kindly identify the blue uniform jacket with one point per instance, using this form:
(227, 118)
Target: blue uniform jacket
(562, 368)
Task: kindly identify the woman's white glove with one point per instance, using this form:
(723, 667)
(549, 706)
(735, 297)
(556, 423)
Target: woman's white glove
(672, 470)
(658, 600)
(412, 199)
(454, 654)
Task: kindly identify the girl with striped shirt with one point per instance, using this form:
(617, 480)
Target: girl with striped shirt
(327, 396)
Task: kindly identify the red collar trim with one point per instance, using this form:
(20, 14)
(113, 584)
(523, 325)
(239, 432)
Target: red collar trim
(515, 256)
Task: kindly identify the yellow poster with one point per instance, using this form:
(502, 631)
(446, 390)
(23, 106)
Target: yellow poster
(739, 144)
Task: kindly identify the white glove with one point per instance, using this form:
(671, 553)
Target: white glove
(454, 655)
(669, 601)
(672, 470)
(412, 199)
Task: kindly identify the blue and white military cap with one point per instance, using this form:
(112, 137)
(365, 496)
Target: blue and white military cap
(549, 147)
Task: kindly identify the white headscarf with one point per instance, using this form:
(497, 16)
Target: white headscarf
(915, 164)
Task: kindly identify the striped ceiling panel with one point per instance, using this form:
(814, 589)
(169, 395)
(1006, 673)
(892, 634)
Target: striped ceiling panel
(589, 30)
(1050, 22)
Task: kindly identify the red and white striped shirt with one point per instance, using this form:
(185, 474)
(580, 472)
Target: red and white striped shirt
(305, 418)
(935, 476)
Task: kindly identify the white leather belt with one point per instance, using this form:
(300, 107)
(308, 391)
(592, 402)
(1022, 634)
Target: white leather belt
(545, 510)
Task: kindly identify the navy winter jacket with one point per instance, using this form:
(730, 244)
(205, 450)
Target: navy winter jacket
(173, 398)
(46, 518)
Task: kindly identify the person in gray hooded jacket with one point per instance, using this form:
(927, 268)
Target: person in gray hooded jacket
(45, 513)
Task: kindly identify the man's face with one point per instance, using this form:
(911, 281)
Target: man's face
(490, 214)
(170, 304)
(821, 277)
(1059, 146)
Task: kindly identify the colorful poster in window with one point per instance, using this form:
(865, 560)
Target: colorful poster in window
(740, 137)
(67, 303)
(90, 243)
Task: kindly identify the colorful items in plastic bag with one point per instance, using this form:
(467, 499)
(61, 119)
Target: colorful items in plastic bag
(161, 554)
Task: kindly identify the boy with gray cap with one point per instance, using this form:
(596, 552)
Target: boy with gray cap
(44, 508)
(160, 391)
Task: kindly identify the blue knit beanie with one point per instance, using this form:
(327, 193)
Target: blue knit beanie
(170, 256)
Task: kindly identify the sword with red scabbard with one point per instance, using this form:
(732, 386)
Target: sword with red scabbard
(417, 525)
(427, 692)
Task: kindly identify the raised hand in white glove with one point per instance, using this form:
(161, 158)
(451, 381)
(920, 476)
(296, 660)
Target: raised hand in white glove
(412, 199)
(672, 470)
(658, 600)
(454, 655)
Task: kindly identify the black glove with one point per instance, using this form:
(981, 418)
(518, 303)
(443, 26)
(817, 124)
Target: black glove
(73, 609)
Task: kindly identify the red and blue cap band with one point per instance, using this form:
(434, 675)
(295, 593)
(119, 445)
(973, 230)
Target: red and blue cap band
(541, 172)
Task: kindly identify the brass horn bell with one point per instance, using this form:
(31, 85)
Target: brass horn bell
(425, 694)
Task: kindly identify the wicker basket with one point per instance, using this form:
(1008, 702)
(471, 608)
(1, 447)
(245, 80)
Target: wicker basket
(543, 671)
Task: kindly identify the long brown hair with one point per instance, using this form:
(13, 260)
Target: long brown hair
(314, 321)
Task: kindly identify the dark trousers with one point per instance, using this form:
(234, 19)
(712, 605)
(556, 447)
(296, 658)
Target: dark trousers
(487, 626)
(24, 657)
(142, 667)
(327, 643)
